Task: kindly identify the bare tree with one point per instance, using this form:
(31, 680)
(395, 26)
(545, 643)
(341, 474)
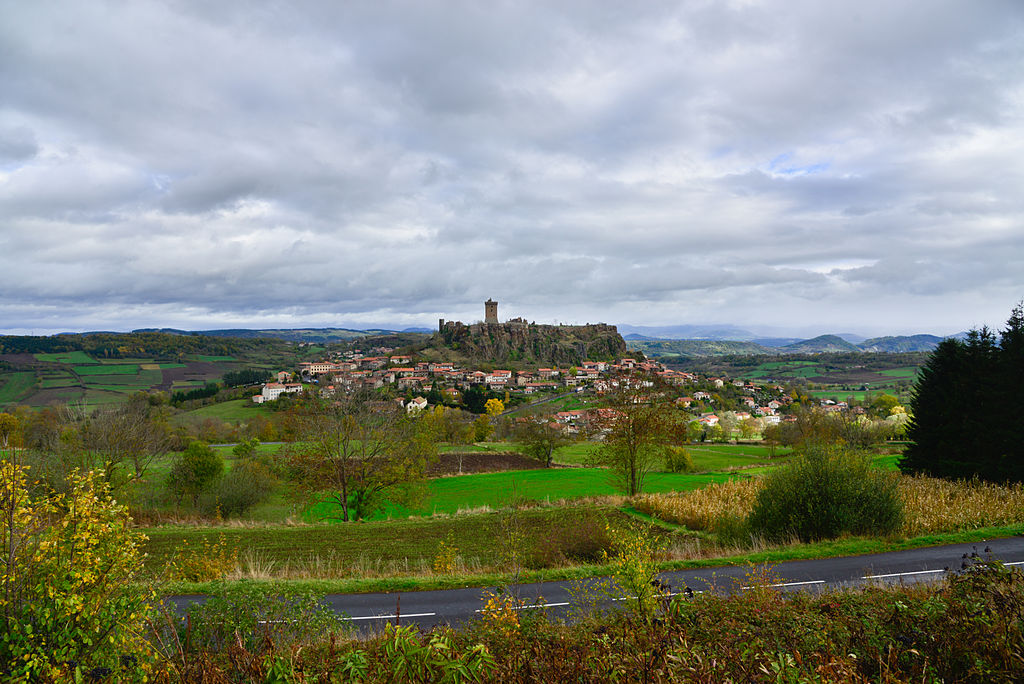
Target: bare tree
(358, 449)
(638, 425)
(540, 440)
(130, 435)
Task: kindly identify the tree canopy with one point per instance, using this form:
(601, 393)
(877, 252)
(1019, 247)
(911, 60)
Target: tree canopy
(966, 407)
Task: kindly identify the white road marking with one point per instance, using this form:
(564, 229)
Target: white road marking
(390, 617)
(789, 584)
(902, 574)
(677, 593)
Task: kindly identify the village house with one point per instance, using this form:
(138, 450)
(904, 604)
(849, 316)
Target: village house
(272, 390)
(415, 405)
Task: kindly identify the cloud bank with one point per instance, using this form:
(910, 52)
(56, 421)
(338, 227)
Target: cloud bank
(806, 165)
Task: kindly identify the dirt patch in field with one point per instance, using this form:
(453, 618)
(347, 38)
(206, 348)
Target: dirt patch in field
(193, 370)
(19, 361)
(455, 463)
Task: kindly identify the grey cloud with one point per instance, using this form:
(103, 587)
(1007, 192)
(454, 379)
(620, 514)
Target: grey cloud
(398, 159)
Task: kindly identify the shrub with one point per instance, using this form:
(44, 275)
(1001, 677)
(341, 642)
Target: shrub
(194, 470)
(203, 563)
(247, 484)
(252, 617)
(71, 606)
(824, 493)
(587, 541)
(678, 460)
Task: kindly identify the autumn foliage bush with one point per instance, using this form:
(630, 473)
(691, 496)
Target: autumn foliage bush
(70, 604)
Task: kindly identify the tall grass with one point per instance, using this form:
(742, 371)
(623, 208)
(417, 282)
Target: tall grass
(931, 505)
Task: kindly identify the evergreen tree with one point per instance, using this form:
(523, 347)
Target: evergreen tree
(1009, 391)
(966, 407)
(936, 427)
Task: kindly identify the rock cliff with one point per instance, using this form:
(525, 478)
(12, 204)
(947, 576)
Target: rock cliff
(518, 343)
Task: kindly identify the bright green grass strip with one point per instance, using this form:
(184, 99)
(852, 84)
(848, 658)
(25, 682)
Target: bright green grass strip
(908, 372)
(117, 362)
(121, 369)
(887, 461)
(171, 365)
(14, 385)
(66, 357)
(833, 549)
(496, 490)
(213, 359)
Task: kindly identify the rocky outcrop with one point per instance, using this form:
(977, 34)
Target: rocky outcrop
(521, 343)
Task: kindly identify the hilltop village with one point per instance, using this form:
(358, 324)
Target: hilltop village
(713, 401)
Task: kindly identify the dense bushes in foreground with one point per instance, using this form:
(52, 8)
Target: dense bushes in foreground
(967, 628)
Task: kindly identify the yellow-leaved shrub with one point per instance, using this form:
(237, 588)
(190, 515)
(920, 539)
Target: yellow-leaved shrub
(70, 605)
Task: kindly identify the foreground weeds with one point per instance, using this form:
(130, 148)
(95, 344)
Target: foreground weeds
(969, 628)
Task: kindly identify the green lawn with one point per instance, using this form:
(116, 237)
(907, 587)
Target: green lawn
(66, 357)
(14, 385)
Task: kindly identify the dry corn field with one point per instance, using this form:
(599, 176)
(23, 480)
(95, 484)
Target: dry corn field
(932, 505)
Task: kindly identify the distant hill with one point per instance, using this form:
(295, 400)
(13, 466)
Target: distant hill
(902, 343)
(697, 348)
(688, 332)
(776, 341)
(820, 344)
(319, 335)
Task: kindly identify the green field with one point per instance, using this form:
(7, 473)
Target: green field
(62, 380)
(900, 372)
(119, 369)
(14, 385)
(496, 490)
(115, 362)
(231, 411)
(213, 359)
(66, 357)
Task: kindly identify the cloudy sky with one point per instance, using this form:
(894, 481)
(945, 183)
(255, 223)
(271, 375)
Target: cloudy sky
(799, 166)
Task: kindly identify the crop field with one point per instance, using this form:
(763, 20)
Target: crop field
(412, 545)
(213, 359)
(118, 369)
(66, 357)
(58, 379)
(14, 385)
(900, 372)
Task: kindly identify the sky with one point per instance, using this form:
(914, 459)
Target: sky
(792, 167)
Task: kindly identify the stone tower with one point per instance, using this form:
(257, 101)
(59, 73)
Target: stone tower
(490, 311)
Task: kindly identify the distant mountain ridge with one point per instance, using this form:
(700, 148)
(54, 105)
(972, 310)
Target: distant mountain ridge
(322, 335)
(823, 344)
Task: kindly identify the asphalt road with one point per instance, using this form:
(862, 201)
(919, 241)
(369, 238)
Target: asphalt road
(453, 606)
